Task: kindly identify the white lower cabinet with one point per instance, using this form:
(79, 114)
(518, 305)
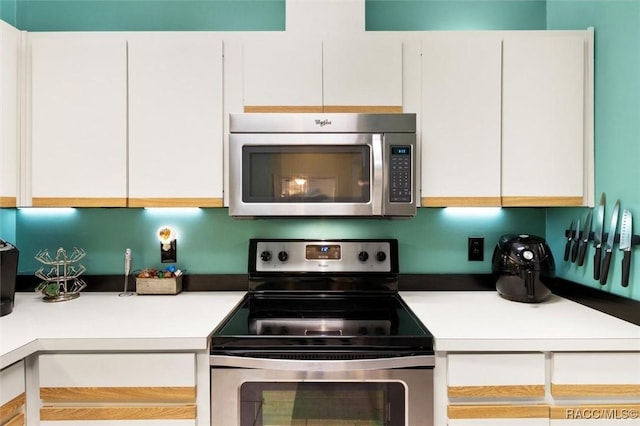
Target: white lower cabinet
(12, 395)
(118, 389)
(599, 389)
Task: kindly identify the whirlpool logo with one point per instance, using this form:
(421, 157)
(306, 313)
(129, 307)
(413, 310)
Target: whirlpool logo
(323, 123)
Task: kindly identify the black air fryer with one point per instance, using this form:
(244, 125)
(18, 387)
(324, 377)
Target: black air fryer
(521, 265)
(8, 273)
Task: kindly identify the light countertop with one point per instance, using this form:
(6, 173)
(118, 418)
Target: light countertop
(460, 321)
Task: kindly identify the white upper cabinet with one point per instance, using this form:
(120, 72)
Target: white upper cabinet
(175, 120)
(362, 75)
(282, 75)
(543, 119)
(9, 119)
(78, 120)
(306, 75)
(461, 107)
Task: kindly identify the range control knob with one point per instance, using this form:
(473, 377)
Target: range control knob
(363, 256)
(265, 256)
(381, 256)
(283, 256)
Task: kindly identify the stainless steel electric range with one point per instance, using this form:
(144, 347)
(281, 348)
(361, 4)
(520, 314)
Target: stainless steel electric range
(322, 337)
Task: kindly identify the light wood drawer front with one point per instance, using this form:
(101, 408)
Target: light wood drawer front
(496, 376)
(595, 375)
(143, 412)
(155, 422)
(117, 370)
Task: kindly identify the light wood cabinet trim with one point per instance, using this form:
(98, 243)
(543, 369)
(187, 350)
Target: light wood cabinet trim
(8, 202)
(175, 394)
(282, 108)
(16, 421)
(577, 412)
(498, 391)
(569, 390)
(461, 202)
(147, 412)
(11, 407)
(366, 109)
(541, 201)
(78, 202)
(175, 202)
(498, 411)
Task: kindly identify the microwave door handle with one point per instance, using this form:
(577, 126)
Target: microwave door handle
(377, 184)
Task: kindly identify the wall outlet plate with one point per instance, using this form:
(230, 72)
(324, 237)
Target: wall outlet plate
(476, 249)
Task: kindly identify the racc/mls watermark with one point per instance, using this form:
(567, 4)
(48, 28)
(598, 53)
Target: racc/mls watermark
(601, 413)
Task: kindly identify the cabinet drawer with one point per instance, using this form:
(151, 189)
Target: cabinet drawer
(489, 415)
(496, 375)
(117, 370)
(602, 414)
(595, 374)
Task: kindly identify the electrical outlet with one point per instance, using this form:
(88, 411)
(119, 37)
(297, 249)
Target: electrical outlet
(476, 249)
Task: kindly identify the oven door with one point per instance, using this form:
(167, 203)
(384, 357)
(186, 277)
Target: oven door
(305, 174)
(295, 392)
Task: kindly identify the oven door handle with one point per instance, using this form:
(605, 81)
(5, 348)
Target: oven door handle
(417, 361)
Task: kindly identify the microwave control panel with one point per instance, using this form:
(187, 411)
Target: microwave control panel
(400, 174)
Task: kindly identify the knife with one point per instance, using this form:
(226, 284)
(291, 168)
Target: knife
(585, 238)
(576, 244)
(567, 247)
(609, 247)
(625, 245)
(597, 236)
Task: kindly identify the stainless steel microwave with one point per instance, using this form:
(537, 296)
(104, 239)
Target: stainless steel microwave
(306, 164)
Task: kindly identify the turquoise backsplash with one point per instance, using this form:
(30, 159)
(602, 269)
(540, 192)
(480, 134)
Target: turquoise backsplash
(211, 242)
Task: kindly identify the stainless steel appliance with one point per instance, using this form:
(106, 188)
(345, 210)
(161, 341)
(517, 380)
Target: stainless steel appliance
(521, 265)
(8, 272)
(306, 164)
(322, 337)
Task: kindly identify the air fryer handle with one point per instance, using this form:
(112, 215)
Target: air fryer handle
(530, 284)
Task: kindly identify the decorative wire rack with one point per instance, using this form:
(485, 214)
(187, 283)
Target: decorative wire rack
(60, 282)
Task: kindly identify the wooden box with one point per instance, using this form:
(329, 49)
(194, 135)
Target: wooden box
(171, 285)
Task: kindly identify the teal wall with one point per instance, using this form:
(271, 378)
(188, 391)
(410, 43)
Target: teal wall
(8, 11)
(617, 125)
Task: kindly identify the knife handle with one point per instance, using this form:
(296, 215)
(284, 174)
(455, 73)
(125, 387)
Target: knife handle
(582, 253)
(596, 263)
(574, 251)
(605, 267)
(626, 263)
(567, 249)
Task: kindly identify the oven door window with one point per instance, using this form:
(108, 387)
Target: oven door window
(322, 404)
(306, 173)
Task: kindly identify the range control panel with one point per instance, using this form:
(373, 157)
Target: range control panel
(324, 256)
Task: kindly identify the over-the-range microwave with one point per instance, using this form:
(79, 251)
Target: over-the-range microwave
(307, 164)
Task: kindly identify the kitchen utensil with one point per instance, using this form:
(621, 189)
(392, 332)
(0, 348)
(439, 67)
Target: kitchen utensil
(597, 236)
(576, 244)
(567, 246)
(609, 246)
(625, 245)
(585, 238)
(521, 265)
(127, 271)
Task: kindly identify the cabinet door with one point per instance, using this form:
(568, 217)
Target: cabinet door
(78, 120)
(282, 75)
(543, 96)
(9, 47)
(115, 387)
(175, 121)
(12, 394)
(362, 75)
(461, 107)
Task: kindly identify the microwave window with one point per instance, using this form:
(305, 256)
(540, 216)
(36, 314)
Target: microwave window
(317, 174)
